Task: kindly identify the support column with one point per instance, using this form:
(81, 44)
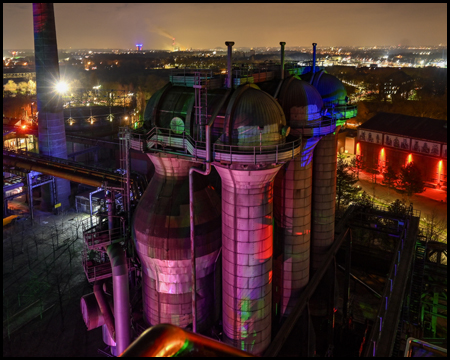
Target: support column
(324, 198)
(292, 199)
(247, 247)
(292, 213)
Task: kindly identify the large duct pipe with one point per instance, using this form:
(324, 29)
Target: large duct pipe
(121, 296)
(104, 309)
(282, 43)
(229, 44)
(58, 172)
(167, 340)
(52, 135)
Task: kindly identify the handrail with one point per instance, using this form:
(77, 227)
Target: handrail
(394, 270)
(221, 152)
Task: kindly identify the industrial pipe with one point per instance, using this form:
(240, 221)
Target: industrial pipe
(87, 179)
(282, 43)
(121, 296)
(166, 340)
(192, 222)
(229, 44)
(191, 202)
(105, 309)
(314, 63)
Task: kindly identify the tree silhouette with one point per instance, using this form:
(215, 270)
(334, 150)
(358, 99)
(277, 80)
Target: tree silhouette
(389, 177)
(410, 180)
(344, 183)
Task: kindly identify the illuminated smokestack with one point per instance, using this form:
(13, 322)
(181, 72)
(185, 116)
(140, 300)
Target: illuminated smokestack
(282, 43)
(229, 44)
(52, 135)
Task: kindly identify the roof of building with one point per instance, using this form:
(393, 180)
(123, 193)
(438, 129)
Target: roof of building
(411, 126)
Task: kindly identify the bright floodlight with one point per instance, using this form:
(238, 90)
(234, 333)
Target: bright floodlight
(62, 87)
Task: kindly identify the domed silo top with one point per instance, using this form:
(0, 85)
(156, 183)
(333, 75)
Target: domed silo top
(152, 106)
(253, 118)
(330, 88)
(168, 103)
(301, 102)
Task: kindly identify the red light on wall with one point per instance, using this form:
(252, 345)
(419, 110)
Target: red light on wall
(270, 276)
(358, 149)
(409, 158)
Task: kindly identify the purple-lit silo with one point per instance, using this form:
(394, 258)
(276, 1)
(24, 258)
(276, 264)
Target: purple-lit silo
(253, 118)
(302, 106)
(52, 136)
(162, 239)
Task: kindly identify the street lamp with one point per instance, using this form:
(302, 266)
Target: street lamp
(62, 87)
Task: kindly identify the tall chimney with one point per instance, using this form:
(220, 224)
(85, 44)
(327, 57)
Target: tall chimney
(229, 44)
(52, 134)
(282, 43)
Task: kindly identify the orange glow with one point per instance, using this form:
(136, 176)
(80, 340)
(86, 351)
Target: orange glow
(24, 126)
(358, 149)
(440, 166)
(409, 158)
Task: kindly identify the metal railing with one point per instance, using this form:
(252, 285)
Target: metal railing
(168, 138)
(381, 318)
(97, 267)
(99, 236)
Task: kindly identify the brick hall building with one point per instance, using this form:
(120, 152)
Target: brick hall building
(395, 140)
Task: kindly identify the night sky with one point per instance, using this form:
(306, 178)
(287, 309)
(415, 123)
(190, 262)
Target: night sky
(121, 26)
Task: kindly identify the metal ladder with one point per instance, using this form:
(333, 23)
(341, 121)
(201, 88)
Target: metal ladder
(201, 103)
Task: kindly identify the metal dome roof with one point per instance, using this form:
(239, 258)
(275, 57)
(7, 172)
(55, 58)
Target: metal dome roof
(329, 87)
(300, 101)
(253, 117)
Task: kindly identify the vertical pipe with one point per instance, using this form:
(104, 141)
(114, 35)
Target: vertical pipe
(282, 43)
(192, 223)
(314, 60)
(121, 296)
(110, 209)
(229, 44)
(348, 262)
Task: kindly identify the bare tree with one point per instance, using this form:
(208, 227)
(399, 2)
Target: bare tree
(435, 229)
